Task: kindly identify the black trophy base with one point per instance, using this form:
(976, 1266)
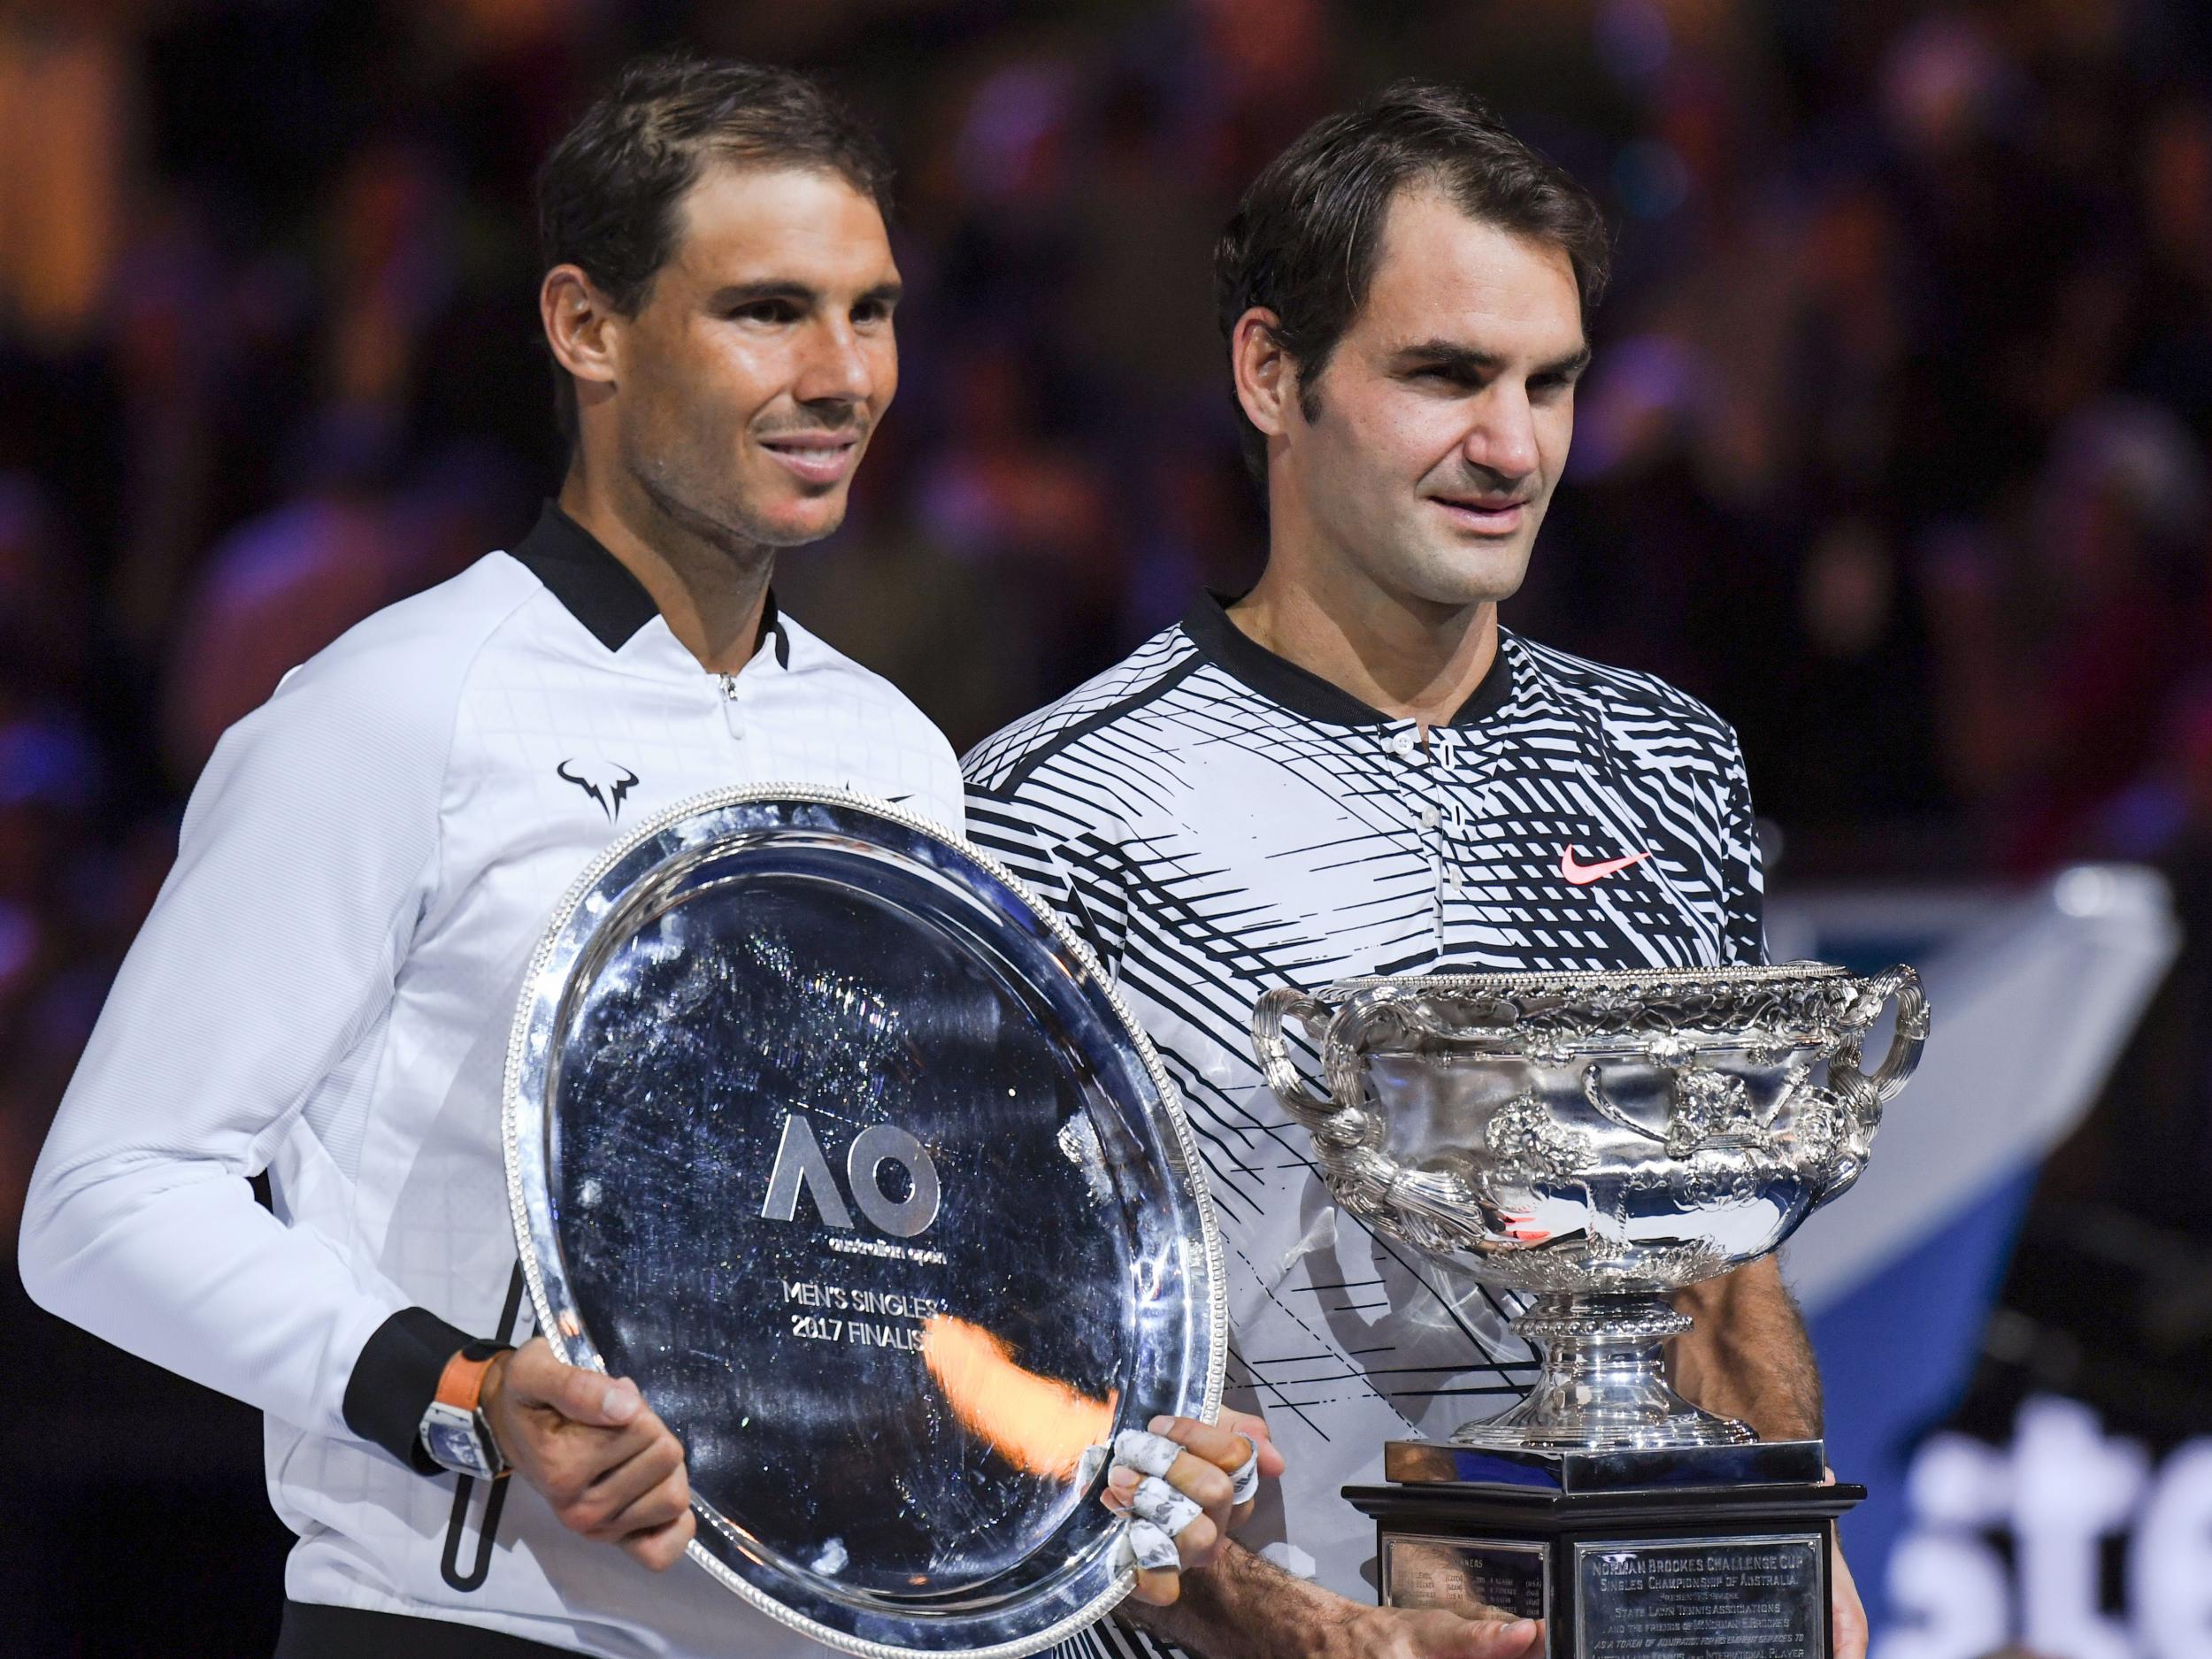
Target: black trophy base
(1705, 1555)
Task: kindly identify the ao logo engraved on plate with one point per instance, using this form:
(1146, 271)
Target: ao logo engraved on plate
(743, 1016)
(800, 1164)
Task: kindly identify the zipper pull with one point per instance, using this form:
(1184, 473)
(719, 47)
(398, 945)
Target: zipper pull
(731, 717)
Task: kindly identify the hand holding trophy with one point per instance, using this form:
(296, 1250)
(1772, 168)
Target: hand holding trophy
(1596, 1141)
(837, 1143)
(1186, 1486)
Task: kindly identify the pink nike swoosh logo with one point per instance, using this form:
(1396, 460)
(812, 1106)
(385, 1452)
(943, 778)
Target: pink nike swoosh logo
(1583, 875)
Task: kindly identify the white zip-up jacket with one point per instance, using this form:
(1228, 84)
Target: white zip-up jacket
(323, 991)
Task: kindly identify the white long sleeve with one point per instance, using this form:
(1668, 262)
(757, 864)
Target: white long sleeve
(326, 989)
(306, 857)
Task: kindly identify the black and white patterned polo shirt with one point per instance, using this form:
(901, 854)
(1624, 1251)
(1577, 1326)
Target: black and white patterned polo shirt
(1217, 821)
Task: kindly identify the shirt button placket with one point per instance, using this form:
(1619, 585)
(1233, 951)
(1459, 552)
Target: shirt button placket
(1421, 786)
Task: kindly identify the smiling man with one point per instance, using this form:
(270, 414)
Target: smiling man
(325, 988)
(1354, 769)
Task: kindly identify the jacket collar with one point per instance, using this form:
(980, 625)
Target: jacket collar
(599, 589)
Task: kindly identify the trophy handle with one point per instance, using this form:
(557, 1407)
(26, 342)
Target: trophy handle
(1902, 984)
(1326, 1118)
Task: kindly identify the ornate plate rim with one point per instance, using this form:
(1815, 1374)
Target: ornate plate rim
(535, 1009)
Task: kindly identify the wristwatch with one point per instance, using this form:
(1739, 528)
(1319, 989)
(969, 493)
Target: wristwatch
(454, 1432)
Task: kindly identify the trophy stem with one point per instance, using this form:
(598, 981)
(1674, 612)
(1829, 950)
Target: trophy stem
(1603, 1382)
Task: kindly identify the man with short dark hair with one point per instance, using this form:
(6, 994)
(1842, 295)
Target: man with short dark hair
(1353, 770)
(325, 988)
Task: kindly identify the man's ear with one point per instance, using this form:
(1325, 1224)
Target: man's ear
(1265, 375)
(580, 326)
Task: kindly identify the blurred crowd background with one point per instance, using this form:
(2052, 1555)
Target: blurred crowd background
(1896, 450)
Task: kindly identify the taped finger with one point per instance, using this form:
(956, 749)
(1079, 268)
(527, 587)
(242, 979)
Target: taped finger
(1244, 1480)
(1145, 1548)
(1147, 1453)
(1166, 1507)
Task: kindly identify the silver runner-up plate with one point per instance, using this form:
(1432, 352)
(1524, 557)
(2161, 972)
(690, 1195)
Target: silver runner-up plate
(828, 1134)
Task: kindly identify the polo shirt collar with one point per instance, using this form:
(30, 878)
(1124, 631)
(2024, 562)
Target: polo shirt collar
(1305, 693)
(599, 589)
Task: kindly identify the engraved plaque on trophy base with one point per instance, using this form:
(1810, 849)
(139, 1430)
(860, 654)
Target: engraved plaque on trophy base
(1736, 1569)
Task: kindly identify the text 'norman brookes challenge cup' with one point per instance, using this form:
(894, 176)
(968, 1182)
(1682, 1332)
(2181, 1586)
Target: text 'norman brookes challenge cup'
(1595, 1140)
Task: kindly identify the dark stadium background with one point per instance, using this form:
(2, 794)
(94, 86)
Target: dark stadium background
(1895, 451)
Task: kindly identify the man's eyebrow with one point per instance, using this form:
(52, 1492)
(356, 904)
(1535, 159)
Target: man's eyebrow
(798, 294)
(1569, 365)
(772, 288)
(1454, 357)
(1449, 354)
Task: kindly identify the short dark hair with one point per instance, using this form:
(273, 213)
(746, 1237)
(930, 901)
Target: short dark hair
(609, 193)
(1304, 240)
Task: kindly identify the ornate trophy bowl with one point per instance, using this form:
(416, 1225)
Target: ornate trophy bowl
(1594, 1140)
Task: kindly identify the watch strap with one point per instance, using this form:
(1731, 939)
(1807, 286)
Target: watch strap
(455, 1431)
(461, 1383)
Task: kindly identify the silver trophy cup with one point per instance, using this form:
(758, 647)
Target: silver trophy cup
(1594, 1140)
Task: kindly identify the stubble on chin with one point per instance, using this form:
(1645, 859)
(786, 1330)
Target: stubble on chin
(1460, 577)
(719, 517)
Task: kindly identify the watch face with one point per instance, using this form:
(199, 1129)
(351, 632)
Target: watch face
(449, 1435)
